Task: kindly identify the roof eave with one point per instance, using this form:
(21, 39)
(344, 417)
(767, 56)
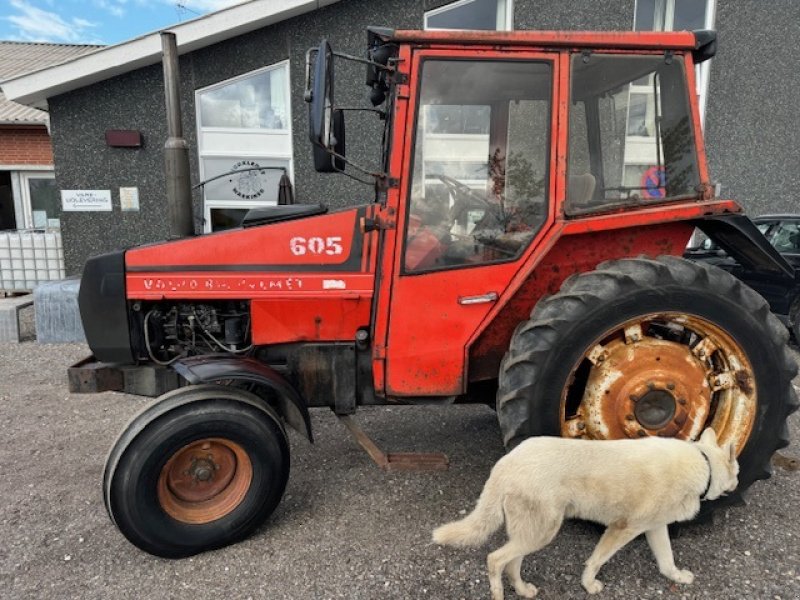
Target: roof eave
(33, 89)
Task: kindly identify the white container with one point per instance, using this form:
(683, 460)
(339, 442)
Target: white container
(28, 258)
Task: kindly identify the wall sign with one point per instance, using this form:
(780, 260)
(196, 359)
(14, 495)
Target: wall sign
(129, 198)
(86, 200)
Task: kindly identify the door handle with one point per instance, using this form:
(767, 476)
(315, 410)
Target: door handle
(482, 299)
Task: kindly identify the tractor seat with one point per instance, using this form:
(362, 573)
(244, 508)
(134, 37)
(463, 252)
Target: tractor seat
(285, 212)
(580, 191)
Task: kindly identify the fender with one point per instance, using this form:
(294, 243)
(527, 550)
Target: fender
(207, 369)
(741, 239)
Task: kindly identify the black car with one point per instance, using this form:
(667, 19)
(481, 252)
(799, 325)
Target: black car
(782, 293)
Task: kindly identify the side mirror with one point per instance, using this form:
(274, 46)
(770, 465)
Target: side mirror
(326, 125)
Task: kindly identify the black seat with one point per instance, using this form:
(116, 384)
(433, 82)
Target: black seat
(287, 212)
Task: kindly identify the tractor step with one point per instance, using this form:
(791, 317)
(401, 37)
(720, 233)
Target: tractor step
(395, 461)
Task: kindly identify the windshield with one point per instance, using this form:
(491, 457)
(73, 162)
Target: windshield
(631, 139)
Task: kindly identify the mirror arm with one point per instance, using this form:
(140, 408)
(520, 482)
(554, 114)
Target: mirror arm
(308, 95)
(366, 61)
(380, 113)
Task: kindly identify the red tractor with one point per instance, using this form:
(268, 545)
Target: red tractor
(534, 195)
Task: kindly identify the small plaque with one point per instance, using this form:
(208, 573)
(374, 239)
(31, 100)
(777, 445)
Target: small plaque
(129, 198)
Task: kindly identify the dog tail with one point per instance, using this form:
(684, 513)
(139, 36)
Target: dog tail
(476, 527)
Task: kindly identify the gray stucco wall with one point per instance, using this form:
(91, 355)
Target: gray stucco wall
(753, 111)
(749, 122)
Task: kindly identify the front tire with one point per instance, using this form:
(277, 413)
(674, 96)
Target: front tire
(200, 468)
(652, 347)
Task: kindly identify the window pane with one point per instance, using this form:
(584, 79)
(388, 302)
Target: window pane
(45, 202)
(689, 15)
(661, 15)
(786, 237)
(251, 184)
(645, 15)
(631, 137)
(475, 14)
(480, 162)
(226, 218)
(255, 102)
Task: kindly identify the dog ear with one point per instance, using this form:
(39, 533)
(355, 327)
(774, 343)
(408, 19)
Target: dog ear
(709, 437)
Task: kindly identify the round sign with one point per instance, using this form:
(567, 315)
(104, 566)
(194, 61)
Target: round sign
(653, 181)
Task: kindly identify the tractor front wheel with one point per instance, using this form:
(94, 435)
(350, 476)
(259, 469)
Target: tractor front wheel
(200, 468)
(652, 347)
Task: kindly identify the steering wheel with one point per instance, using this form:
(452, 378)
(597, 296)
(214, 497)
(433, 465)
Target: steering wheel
(464, 197)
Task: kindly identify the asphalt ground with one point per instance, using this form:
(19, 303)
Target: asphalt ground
(344, 528)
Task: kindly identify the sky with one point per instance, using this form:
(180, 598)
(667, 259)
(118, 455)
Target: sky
(95, 21)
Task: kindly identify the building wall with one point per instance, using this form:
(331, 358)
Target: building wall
(25, 146)
(750, 73)
(84, 161)
(753, 113)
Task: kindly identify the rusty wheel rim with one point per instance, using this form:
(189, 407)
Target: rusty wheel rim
(665, 375)
(205, 480)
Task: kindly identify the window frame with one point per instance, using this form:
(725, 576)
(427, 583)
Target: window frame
(688, 68)
(281, 141)
(553, 60)
(26, 200)
(703, 70)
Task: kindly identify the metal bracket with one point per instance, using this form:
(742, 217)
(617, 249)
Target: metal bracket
(395, 461)
(384, 219)
(399, 78)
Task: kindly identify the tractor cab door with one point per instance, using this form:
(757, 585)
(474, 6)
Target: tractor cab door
(474, 200)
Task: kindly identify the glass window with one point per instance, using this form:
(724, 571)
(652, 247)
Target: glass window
(243, 124)
(631, 138)
(45, 202)
(471, 14)
(479, 184)
(257, 101)
(679, 15)
(786, 237)
(248, 183)
(670, 15)
(226, 218)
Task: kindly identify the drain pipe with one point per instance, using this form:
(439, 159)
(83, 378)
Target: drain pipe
(176, 151)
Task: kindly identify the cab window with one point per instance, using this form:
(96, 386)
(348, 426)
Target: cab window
(481, 158)
(631, 137)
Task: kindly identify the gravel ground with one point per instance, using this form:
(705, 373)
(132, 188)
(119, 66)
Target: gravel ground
(344, 528)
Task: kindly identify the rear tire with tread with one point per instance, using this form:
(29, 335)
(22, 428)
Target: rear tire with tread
(545, 351)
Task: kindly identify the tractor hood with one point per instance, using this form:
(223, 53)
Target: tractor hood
(227, 264)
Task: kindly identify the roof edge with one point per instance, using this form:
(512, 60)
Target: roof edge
(33, 89)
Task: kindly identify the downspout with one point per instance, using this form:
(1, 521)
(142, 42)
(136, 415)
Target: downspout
(176, 151)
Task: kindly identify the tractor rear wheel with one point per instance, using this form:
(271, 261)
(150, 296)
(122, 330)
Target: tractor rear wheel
(200, 468)
(652, 347)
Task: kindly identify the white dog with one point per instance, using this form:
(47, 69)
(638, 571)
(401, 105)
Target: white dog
(631, 486)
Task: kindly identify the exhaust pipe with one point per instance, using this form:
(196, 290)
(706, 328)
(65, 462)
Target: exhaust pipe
(176, 151)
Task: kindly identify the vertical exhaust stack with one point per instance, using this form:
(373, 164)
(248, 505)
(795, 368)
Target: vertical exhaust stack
(176, 152)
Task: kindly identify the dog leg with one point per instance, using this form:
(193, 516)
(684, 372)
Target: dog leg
(530, 527)
(658, 539)
(522, 587)
(614, 538)
(496, 562)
